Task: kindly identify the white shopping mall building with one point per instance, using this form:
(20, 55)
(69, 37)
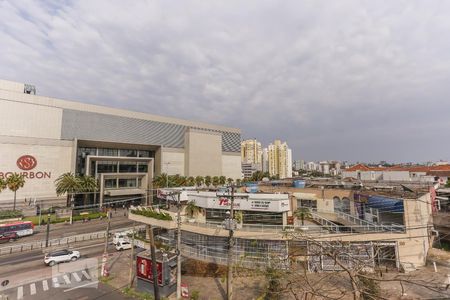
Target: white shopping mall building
(42, 138)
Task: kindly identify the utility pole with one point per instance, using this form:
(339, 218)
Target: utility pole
(154, 267)
(131, 277)
(230, 248)
(71, 209)
(105, 250)
(178, 247)
(48, 231)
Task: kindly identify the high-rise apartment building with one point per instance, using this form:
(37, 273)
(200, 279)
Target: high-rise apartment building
(280, 159)
(251, 153)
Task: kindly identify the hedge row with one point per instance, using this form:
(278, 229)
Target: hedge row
(150, 213)
(10, 214)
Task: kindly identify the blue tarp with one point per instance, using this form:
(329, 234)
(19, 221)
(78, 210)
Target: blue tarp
(384, 204)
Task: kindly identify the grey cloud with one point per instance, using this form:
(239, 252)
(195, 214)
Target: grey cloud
(351, 80)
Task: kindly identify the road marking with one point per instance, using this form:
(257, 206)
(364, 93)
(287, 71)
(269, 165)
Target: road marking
(20, 293)
(32, 289)
(45, 285)
(85, 274)
(55, 282)
(66, 279)
(81, 286)
(77, 278)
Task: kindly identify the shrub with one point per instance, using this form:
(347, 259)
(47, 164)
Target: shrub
(150, 213)
(9, 214)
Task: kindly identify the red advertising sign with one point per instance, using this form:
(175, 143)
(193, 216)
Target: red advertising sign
(26, 162)
(144, 269)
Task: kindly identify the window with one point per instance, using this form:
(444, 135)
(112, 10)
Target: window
(127, 167)
(142, 168)
(107, 152)
(128, 153)
(127, 183)
(111, 183)
(144, 153)
(107, 167)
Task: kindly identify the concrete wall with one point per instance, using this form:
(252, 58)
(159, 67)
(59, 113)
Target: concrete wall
(203, 153)
(231, 165)
(172, 161)
(396, 176)
(28, 120)
(53, 159)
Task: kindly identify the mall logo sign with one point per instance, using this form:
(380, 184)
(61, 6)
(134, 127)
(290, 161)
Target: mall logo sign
(27, 163)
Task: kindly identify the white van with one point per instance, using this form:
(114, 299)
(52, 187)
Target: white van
(122, 236)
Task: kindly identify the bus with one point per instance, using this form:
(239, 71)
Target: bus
(22, 228)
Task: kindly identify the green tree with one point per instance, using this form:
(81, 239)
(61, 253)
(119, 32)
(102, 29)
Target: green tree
(199, 180)
(161, 180)
(2, 184)
(88, 184)
(68, 184)
(190, 181)
(302, 213)
(238, 181)
(230, 181)
(15, 182)
(215, 181)
(222, 180)
(208, 180)
(192, 209)
(448, 183)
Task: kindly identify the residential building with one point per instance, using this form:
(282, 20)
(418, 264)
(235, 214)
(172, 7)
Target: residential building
(435, 173)
(251, 152)
(280, 159)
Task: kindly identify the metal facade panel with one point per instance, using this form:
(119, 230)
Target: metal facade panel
(102, 127)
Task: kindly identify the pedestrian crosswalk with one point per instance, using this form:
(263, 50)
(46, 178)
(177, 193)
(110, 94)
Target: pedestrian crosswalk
(67, 280)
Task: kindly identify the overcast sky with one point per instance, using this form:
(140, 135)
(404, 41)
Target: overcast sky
(347, 80)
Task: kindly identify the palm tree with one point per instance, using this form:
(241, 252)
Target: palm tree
(87, 184)
(238, 181)
(208, 180)
(161, 180)
(222, 180)
(15, 182)
(302, 213)
(68, 184)
(215, 181)
(191, 181)
(230, 181)
(192, 209)
(199, 180)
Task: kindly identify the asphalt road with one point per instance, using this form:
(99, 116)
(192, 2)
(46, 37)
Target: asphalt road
(61, 230)
(28, 278)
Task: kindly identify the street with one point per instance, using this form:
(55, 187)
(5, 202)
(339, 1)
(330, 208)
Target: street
(25, 276)
(60, 230)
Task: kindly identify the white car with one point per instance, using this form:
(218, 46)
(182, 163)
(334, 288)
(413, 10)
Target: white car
(123, 245)
(60, 256)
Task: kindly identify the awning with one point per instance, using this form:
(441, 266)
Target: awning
(123, 192)
(305, 196)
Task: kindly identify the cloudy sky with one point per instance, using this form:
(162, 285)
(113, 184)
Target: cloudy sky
(348, 80)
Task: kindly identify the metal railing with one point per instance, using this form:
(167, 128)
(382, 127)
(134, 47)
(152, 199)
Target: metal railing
(327, 224)
(64, 241)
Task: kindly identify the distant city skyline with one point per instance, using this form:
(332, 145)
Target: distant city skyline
(344, 80)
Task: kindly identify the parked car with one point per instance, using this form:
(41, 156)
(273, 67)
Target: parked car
(123, 245)
(8, 237)
(60, 256)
